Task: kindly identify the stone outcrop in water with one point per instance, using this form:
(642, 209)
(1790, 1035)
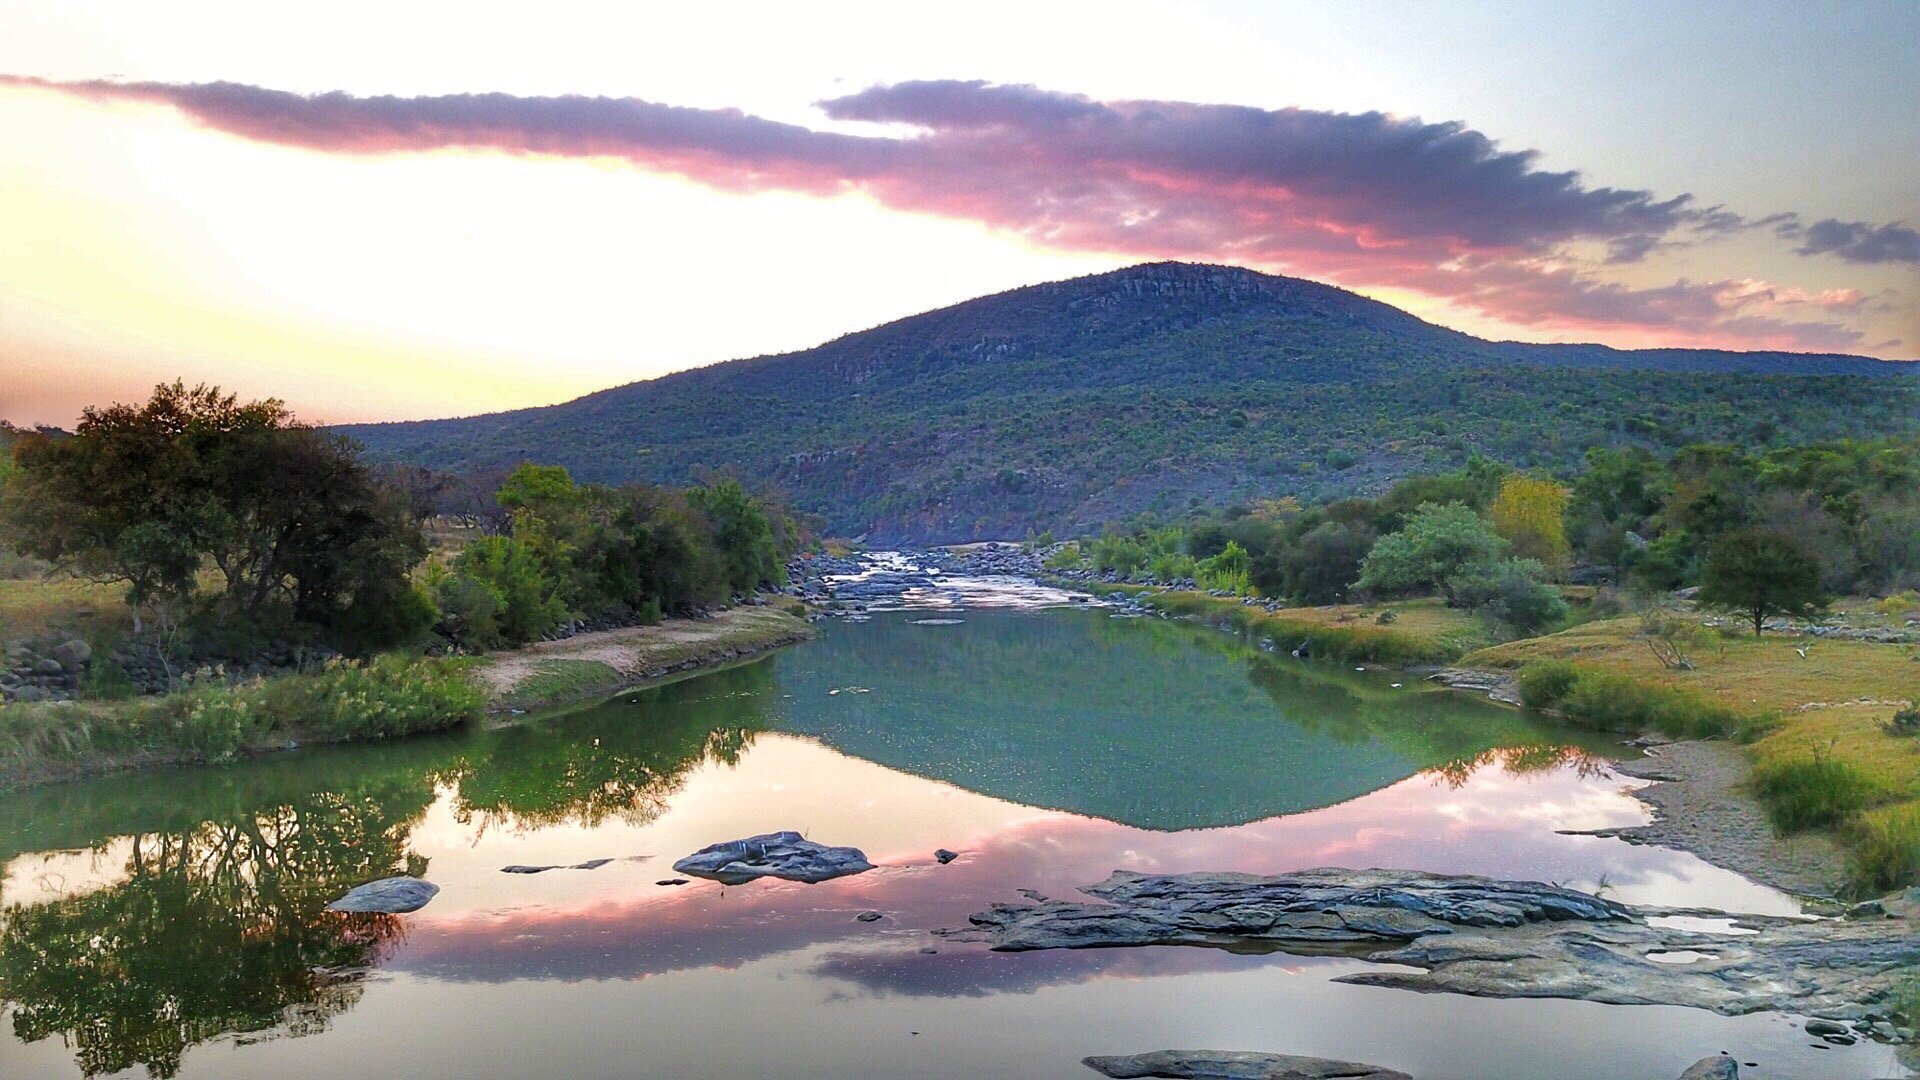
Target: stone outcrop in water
(1235, 1065)
(388, 896)
(1489, 938)
(785, 855)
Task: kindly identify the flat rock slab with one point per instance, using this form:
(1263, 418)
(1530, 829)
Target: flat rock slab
(1236, 1065)
(388, 896)
(590, 864)
(1487, 938)
(786, 855)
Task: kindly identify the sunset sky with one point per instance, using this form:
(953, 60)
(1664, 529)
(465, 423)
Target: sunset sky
(385, 211)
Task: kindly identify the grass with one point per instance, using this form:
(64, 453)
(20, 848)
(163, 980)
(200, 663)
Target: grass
(32, 608)
(1422, 631)
(1826, 753)
(386, 697)
(562, 680)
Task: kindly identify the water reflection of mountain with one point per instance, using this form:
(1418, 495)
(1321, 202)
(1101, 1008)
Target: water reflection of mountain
(1156, 725)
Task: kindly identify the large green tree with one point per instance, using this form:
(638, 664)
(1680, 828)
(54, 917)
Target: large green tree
(291, 520)
(1757, 573)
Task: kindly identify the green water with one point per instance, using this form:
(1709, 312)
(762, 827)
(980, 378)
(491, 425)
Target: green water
(172, 922)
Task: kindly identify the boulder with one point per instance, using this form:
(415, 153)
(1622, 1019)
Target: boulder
(72, 655)
(784, 854)
(47, 665)
(1236, 1065)
(1717, 1067)
(28, 694)
(943, 856)
(388, 896)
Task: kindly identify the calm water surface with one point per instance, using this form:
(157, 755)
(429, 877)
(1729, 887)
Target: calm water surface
(171, 923)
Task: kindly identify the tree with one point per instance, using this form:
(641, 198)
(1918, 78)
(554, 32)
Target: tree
(1318, 567)
(1439, 544)
(1531, 515)
(744, 534)
(291, 518)
(1757, 573)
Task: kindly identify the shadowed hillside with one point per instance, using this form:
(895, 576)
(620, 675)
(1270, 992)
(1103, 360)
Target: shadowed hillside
(1064, 405)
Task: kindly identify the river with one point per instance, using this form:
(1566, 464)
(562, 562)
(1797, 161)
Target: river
(172, 922)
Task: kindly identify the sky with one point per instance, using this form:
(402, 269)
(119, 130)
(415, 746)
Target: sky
(393, 211)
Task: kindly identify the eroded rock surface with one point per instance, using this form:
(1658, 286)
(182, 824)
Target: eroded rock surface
(785, 855)
(388, 896)
(1487, 938)
(1236, 1065)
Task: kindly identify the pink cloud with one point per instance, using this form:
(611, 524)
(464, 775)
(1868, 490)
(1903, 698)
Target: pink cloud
(1364, 199)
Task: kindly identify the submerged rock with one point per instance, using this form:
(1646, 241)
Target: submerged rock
(1236, 1065)
(943, 856)
(590, 864)
(388, 896)
(785, 855)
(869, 916)
(1717, 1067)
(1487, 938)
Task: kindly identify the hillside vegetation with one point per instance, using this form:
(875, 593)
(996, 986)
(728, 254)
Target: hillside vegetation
(1066, 405)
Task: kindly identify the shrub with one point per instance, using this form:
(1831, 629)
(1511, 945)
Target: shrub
(529, 602)
(1906, 721)
(1812, 792)
(1172, 567)
(1511, 590)
(1231, 570)
(1886, 856)
(1067, 558)
(1546, 683)
(382, 698)
(1615, 701)
(1438, 544)
(215, 723)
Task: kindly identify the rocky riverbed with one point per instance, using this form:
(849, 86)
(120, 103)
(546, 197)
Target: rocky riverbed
(1501, 939)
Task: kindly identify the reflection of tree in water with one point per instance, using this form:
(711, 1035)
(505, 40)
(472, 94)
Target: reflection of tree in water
(219, 928)
(625, 759)
(1524, 760)
(220, 925)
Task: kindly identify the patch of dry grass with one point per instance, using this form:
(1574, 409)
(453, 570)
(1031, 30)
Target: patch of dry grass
(40, 607)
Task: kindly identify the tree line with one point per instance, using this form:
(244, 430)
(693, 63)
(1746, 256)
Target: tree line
(1760, 533)
(233, 523)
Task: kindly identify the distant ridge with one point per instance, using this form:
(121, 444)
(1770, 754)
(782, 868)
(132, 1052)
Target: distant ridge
(1067, 404)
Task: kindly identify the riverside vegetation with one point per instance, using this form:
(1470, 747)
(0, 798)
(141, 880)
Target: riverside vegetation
(1767, 597)
(243, 580)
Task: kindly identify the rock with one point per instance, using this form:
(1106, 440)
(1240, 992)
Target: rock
(1904, 904)
(47, 665)
(943, 856)
(29, 694)
(72, 655)
(1236, 1065)
(590, 864)
(671, 881)
(391, 896)
(1717, 1067)
(783, 854)
(869, 916)
(1483, 937)
(1824, 1028)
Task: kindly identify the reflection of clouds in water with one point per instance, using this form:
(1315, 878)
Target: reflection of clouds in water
(975, 972)
(1496, 825)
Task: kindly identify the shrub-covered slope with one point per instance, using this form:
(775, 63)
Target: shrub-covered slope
(1064, 405)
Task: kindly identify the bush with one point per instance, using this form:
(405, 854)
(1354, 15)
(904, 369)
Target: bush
(530, 604)
(1886, 852)
(382, 698)
(1546, 683)
(216, 723)
(1231, 570)
(1906, 721)
(1614, 701)
(1511, 590)
(1812, 792)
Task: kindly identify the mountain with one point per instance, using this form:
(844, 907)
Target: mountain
(1066, 405)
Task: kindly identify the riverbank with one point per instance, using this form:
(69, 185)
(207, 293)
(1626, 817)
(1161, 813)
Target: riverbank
(1834, 807)
(1805, 746)
(390, 696)
(590, 665)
